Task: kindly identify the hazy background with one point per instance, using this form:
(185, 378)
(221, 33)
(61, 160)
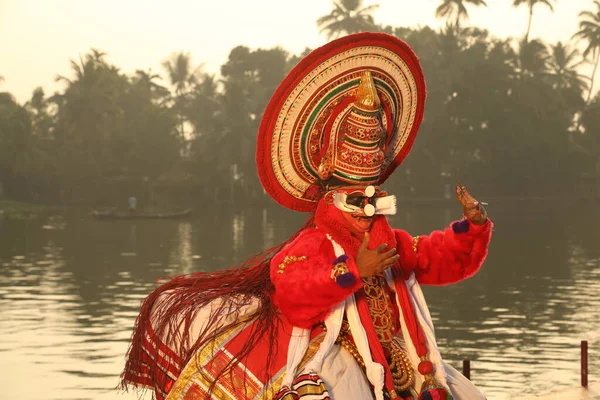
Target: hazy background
(40, 37)
(164, 101)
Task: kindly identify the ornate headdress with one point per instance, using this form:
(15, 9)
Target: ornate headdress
(347, 113)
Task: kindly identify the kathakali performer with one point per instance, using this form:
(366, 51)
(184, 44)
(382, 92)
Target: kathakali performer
(336, 311)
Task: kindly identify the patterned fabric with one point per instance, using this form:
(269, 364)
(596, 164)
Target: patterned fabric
(310, 386)
(286, 393)
(247, 380)
(158, 373)
(383, 310)
(306, 386)
(316, 126)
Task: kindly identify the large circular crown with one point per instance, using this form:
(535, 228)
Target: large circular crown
(348, 112)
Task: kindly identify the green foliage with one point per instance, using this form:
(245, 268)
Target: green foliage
(502, 113)
(590, 120)
(589, 31)
(495, 113)
(103, 127)
(15, 143)
(228, 118)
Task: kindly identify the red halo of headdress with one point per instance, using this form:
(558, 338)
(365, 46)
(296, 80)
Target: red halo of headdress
(291, 137)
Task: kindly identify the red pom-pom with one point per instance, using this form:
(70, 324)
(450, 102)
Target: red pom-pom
(425, 367)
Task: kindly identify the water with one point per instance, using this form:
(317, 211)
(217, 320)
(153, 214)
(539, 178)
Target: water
(70, 288)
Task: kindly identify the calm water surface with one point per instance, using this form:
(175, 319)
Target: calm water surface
(70, 288)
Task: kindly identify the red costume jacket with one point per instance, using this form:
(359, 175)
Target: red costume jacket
(305, 292)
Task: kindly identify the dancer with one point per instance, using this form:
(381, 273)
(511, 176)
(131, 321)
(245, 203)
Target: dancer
(336, 311)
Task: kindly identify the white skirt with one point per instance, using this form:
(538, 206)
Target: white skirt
(345, 379)
(340, 372)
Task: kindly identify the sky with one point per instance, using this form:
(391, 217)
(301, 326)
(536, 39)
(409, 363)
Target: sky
(38, 38)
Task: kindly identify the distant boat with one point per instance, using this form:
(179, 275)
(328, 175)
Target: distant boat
(140, 214)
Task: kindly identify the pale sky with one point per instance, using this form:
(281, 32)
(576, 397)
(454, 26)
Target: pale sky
(39, 37)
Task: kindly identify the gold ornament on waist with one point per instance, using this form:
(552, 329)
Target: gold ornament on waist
(402, 370)
(351, 348)
(344, 339)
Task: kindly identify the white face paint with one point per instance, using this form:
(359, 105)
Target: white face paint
(385, 205)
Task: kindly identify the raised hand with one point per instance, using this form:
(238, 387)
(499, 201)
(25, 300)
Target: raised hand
(472, 209)
(374, 262)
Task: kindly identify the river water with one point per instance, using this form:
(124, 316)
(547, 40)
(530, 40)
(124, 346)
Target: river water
(70, 288)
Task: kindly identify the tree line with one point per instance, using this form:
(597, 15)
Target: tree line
(512, 115)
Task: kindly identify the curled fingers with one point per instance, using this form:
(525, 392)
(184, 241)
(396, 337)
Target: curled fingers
(388, 262)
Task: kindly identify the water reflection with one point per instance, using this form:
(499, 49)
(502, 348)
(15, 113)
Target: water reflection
(182, 255)
(268, 231)
(238, 233)
(69, 295)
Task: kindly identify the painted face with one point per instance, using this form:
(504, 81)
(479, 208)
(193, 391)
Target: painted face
(357, 221)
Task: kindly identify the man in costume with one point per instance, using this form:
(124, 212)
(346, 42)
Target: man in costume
(336, 311)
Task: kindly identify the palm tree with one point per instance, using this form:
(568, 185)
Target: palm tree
(146, 80)
(181, 73)
(456, 11)
(347, 16)
(531, 65)
(83, 104)
(183, 77)
(589, 29)
(93, 61)
(532, 59)
(41, 121)
(20, 156)
(563, 64)
(530, 5)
